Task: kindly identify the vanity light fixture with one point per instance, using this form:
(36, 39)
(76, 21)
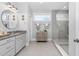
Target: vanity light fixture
(22, 17)
(13, 17)
(9, 5)
(12, 7)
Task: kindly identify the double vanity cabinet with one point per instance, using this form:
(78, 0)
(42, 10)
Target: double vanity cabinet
(11, 44)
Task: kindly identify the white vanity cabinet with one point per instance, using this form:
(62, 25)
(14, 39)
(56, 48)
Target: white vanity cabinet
(10, 46)
(7, 47)
(20, 42)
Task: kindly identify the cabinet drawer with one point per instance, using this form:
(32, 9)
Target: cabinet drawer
(18, 45)
(4, 49)
(11, 39)
(6, 46)
(10, 53)
(3, 42)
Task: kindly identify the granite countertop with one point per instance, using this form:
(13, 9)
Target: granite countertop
(11, 34)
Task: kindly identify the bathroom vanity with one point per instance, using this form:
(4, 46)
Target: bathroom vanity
(12, 43)
(41, 36)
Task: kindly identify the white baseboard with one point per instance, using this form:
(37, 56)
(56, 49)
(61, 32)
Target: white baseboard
(35, 39)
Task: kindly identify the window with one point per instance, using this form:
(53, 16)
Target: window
(41, 18)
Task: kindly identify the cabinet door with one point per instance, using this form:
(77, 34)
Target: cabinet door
(23, 36)
(6, 47)
(20, 42)
(3, 42)
(10, 53)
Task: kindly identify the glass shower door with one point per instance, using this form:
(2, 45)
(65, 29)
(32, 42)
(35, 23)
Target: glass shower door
(63, 31)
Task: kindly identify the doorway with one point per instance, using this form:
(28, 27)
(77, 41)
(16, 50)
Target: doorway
(42, 25)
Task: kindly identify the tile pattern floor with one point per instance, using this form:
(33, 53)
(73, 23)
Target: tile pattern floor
(40, 49)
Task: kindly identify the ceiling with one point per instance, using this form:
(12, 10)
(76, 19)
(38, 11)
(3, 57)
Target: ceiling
(45, 6)
(48, 6)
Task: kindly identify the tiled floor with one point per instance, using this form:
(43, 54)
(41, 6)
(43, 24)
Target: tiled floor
(40, 49)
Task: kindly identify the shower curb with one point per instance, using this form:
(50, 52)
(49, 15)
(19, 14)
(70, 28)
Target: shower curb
(61, 50)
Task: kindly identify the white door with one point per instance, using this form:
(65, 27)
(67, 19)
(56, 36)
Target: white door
(74, 28)
(76, 42)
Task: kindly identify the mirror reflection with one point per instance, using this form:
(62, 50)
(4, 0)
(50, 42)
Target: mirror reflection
(8, 19)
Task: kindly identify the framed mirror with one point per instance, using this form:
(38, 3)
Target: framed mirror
(8, 20)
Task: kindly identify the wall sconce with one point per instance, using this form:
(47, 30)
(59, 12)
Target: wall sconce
(22, 17)
(9, 5)
(13, 17)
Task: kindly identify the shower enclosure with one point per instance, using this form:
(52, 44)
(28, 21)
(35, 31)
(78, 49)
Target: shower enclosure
(62, 22)
(63, 35)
